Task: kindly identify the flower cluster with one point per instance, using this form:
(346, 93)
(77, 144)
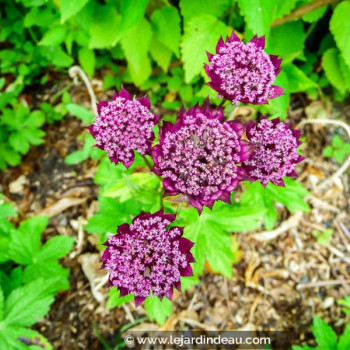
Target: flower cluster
(146, 258)
(201, 156)
(124, 125)
(198, 156)
(243, 72)
(275, 151)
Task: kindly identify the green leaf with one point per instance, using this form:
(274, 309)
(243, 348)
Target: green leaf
(104, 28)
(192, 8)
(210, 233)
(111, 214)
(58, 57)
(328, 151)
(324, 334)
(55, 248)
(298, 80)
(132, 11)
(315, 15)
(331, 66)
(80, 112)
(284, 7)
(259, 14)
(25, 241)
(166, 27)
(337, 141)
(25, 305)
(201, 34)
(158, 310)
(1, 304)
(287, 49)
(344, 340)
(115, 300)
(136, 43)
(70, 8)
(161, 54)
(340, 28)
(87, 60)
(54, 36)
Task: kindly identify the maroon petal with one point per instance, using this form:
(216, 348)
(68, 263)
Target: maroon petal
(185, 244)
(276, 91)
(124, 93)
(145, 101)
(220, 44)
(139, 301)
(187, 271)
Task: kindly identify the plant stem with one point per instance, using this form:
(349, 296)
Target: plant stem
(147, 162)
(222, 103)
(302, 10)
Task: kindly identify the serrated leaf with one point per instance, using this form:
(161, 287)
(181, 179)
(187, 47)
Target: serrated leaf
(166, 27)
(283, 7)
(201, 34)
(298, 80)
(194, 8)
(340, 28)
(131, 11)
(55, 248)
(210, 232)
(287, 49)
(331, 66)
(324, 334)
(161, 54)
(315, 15)
(54, 36)
(259, 14)
(25, 305)
(25, 241)
(111, 214)
(104, 27)
(135, 44)
(69, 8)
(158, 310)
(115, 300)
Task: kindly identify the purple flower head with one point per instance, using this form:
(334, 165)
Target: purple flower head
(275, 151)
(198, 156)
(243, 72)
(124, 125)
(145, 258)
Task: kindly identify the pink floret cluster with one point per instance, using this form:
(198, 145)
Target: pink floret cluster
(243, 72)
(147, 258)
(275, 151)
(124, 125)
(198, 156)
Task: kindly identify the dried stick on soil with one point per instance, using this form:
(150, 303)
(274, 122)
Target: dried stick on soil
(75, 72)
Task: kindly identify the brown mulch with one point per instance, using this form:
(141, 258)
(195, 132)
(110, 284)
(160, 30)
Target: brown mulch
(275, 284)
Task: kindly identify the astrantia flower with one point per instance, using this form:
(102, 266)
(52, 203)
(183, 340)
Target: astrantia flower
(198, 156)
(275, 151)
(243, 72)
(124, 125)
(145, 258)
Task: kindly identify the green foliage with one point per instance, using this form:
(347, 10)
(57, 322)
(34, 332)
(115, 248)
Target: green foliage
(338, 149)
(291, 196)
(323, 238)
(211, 232)
(201, 34)
(39, 261)
(345, 302)
(158, 310)
(326, 338)
(30, 275)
